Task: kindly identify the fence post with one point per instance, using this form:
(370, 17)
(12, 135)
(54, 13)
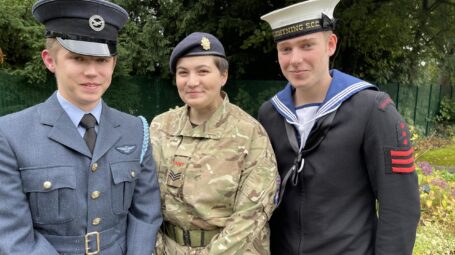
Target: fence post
(415, 105)
(398, 96)
(427, 119)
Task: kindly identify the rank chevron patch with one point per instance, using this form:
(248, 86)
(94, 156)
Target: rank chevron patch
(174, 176)
(399, 160)
(402, 161)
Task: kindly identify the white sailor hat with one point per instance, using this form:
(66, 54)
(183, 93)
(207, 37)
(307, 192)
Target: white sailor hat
(301, 18)
(86, 27)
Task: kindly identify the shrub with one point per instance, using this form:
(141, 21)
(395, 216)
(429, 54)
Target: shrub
(432, 240)
(436, 231)
(445, 120)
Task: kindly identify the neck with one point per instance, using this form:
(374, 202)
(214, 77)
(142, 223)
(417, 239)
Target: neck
(199, 116)
(314, 94)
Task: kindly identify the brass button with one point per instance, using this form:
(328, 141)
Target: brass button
(47, 185)
(94, 167)
(133, 173)
(96, 221)
(95, 194)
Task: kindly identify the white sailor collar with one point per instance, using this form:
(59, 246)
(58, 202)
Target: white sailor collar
(342, 87)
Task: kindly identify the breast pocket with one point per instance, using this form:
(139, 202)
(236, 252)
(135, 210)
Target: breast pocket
(51, 193)
(124, 176)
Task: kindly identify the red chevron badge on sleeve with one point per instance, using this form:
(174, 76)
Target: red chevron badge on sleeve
(402, 160)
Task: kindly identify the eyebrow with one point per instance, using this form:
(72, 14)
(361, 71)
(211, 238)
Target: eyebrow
(196, 67)
(297, 41)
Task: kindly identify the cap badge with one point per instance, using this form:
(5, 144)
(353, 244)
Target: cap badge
(96, 22)
(205, 43)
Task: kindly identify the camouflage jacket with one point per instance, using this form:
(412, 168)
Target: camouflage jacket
(220, 174)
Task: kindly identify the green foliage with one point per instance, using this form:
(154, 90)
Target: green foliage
(446, 111)
(436, 232)
(386, 41)
(445, 119)
(21, 40)
(247, 39)
(401, 41)
(433, 240)
(143, 49)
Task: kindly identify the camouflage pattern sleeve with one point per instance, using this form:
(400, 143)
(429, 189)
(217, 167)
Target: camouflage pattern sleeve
(156, 138)
(254, 203)
(154, 126)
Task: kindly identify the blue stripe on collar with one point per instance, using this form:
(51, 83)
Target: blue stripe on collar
(284, 103)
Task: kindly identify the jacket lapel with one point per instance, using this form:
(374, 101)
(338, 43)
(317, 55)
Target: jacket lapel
(108, 133)
(62, 130)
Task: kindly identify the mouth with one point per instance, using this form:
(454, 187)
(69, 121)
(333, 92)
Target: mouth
(193, 92)
(91, 87)
(90, 84)
(299, 71)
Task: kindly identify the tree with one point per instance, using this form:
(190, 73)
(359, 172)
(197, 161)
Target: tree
(380, 41)
(235, 22)
(143, 48)
(390, 41)
(20, 40)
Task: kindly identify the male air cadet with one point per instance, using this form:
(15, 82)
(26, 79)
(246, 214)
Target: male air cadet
(77, 176)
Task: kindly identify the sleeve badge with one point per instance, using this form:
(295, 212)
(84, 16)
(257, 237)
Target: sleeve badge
(400, 159)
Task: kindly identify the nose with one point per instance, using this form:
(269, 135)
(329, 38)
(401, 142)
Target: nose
(90, 69)
(193, 80)
(296, 57)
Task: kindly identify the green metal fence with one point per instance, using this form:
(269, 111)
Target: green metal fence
(150, 96)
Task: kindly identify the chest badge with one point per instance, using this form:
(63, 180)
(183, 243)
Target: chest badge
(175, 174)
(126, 149)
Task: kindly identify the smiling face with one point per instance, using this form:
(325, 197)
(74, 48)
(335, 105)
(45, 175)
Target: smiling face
(304, 60)
(81, 80)
(199, 82)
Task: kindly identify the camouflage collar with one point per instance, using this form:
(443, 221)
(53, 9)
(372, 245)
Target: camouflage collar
(212, 128)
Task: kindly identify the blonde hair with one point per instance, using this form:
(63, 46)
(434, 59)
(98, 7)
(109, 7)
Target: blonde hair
(52, 45)
(327, 34)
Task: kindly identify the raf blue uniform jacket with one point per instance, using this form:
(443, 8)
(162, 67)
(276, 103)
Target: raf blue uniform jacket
(53, 191)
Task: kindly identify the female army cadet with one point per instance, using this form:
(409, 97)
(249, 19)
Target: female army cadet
(217, 170)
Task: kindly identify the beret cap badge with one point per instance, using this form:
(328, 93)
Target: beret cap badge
(96, 23)
(205, 43)
(196, 44)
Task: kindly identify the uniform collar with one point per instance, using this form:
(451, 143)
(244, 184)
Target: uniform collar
(76, 113)
(211, 128)
(342, 87)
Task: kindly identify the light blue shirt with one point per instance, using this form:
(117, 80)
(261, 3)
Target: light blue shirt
(76, 113)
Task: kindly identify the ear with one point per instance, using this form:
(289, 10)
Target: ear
(332, 44)
(48, 60)
(115, 62)
(224, 77)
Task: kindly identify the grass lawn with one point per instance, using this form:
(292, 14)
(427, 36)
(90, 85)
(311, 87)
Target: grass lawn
(444, 156)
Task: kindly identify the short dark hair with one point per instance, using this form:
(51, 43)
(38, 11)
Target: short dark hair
(221, 63)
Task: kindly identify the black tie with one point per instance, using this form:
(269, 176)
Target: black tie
(88, 122)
